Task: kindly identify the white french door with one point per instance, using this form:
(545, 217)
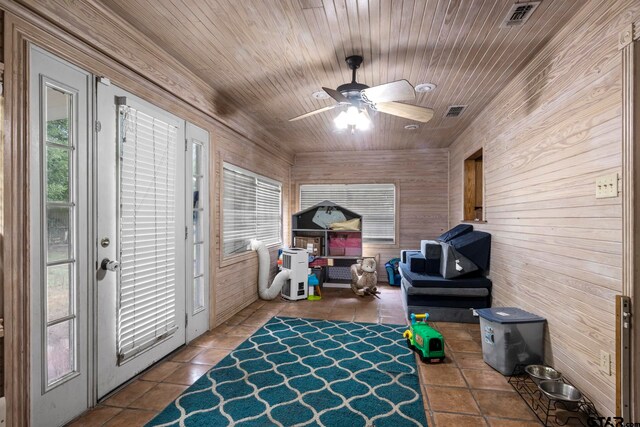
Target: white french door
(141, 233)
(119, 236)
(60, 257)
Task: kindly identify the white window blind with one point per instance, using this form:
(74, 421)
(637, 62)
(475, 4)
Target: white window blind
(252, 209)
(375, 202)
(147, 286)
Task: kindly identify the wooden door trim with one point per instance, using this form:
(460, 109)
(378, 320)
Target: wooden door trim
(629, 44)
(16, 227)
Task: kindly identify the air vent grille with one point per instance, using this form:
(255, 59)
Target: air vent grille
(455, 110)
(519, 14)
(286, 261)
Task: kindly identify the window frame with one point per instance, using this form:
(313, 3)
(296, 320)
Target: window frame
(471, 162)
(397, 208)
(229, 259)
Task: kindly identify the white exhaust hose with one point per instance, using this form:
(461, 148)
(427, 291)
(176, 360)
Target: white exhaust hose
(265, 291)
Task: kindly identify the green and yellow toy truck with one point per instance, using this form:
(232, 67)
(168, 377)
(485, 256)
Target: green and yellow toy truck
(424, 340)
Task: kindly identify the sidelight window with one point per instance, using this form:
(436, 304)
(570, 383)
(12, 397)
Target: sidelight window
(60, 350)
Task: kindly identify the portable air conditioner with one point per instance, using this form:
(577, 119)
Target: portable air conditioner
(296, 261)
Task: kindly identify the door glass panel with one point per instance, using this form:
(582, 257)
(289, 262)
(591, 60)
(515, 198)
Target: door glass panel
(197, 159)
(197, 260)
(198, 293)
(197, 226)
(198, 236)
(197, 183)
(59, 221)
(58, 174)
(58, 111)
(60, 244)
(60, 354)
(58, 291)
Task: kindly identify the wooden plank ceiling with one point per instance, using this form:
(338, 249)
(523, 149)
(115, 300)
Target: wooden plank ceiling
(266, 58)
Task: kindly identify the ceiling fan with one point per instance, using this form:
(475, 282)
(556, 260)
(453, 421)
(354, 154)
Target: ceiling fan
(356, 97)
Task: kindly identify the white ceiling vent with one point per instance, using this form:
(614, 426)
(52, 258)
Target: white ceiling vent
(455, 110)
(519, 14)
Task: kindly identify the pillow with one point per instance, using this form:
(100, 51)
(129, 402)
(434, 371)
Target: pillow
(352, 224)
(430, 249)
(417, 263)
(456, 231)
(404, 255)
(453, 264)
(476, 246)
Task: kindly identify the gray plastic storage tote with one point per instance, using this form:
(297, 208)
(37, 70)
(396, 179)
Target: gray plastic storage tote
(510, 336)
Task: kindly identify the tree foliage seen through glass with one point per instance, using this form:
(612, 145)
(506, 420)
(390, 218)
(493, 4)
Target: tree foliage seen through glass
(58, 160)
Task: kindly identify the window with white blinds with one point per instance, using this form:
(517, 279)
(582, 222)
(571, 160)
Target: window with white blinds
(252, 209)
(147, 286)
(375, 202)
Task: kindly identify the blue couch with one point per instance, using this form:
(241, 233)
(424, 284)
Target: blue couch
(447, 276)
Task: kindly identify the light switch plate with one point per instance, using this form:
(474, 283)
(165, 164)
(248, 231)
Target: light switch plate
(607, 186)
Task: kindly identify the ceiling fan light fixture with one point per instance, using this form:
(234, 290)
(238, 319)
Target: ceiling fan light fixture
(341, 121)
(353, 118)
(425, 87)
(352, 115)
(357, 98)
(363, 123)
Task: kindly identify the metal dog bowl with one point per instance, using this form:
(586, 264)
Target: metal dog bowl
(542, 373)
(557, 390)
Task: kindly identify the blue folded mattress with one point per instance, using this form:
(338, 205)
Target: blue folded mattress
(421, 280)
(446, 300)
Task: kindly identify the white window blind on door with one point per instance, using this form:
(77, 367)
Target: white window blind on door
(147, 286)
(252, 209)
(375, 202)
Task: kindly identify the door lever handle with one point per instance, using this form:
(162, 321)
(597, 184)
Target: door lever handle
(109, 265)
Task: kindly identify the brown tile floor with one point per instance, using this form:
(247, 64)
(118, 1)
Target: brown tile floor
(461, 391)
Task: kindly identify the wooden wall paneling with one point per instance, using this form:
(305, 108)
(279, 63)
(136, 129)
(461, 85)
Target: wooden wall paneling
(556, 250)
(421, 186)
(237, 276)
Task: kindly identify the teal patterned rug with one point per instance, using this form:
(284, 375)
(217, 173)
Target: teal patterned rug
(306, 372)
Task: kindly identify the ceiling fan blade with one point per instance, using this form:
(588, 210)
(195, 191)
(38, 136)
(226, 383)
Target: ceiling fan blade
(412, 112)
(311, 113)
(340, 98)
(400, 90)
